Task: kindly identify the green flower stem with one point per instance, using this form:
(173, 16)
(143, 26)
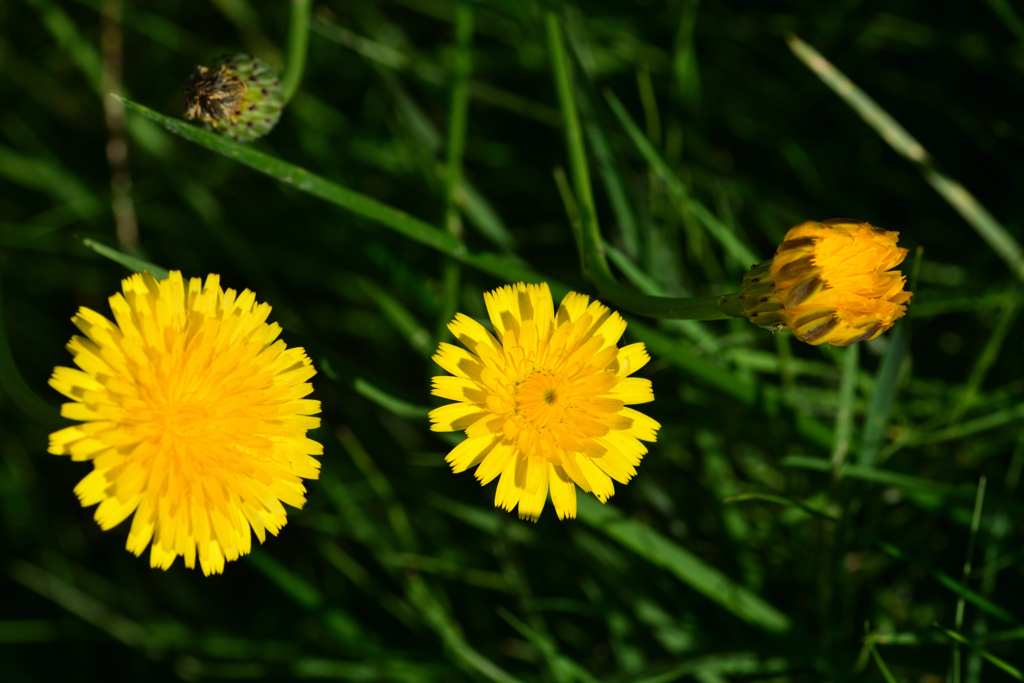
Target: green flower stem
(595, 264)
(298, 42)
(675, 308)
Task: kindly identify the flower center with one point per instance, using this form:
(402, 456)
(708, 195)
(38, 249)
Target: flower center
(186, 421)
(540, 401)
(196, 413)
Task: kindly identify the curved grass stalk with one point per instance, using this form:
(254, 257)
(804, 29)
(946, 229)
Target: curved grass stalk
(595, 264)
(903, 143)
(298, 44)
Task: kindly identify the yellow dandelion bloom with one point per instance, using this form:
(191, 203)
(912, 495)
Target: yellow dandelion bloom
(543, 401)
(830, 282)
(194, 418)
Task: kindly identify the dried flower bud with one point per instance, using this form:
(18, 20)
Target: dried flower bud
(829, 282)
(239, 97)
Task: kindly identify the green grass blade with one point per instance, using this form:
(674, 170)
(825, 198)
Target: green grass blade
(993, 420)
(877, 475)
(483, 216)
(488, 520)
(476, 208)
(338, 369)
(155, 28)
(595, 264)
(1004, 10)
(357, 203)
(705, 308)
(732, 245)
(387, 56)
(393, 670)
(876, 420)
(18, 390)
(886, 674)
(944, 579)
(615, 188)
(721, 478)
(844, 416)
(988, 656)
(988, 355)
(962, 201)
(48, 176)
(84, 606)
(687, 567)
(341, 624)
(64, 32)
(578, 164)
(733, 664)
(684, 59)
(649, 103)
(907, 639)
(695, 330)
(973, 304)
(458, 122)
(634, 273)
(660, 344)
(1008, 634)
(367, 582)
(401, 408)
(132, 263)
(435, 615)
(740, 387)
(290, 583)
(246, 21)
(458, 115)
(397, 516)
(16, 236)
(968, 563)
(449, 569)
(466, 197)
(564, 669)
(399, 316)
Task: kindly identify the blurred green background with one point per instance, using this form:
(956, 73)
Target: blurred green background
(398, 570)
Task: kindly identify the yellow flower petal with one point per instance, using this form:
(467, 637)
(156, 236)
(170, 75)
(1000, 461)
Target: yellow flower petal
(563, 492)
(533, 498)
(543, 400)
(195, 419)
(495, 461)
(455, 416)
(471, 452)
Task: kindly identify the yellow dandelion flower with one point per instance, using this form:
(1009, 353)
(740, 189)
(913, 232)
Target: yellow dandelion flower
(194, 418)
(543, 400)
(830, 282)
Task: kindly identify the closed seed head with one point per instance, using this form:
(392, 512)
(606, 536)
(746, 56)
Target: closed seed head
(238, 96)
(212, 94)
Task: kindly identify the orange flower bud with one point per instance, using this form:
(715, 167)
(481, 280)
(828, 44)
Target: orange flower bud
(829, 282)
